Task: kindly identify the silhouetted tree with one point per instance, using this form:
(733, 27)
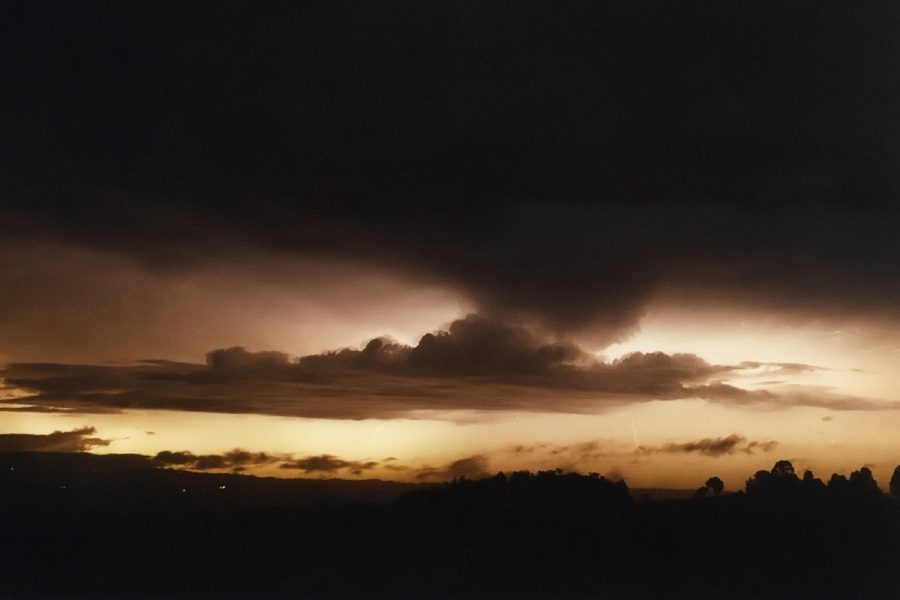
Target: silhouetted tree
(715, 485)
(837, 483)
(518, 534)
(783, 468)
(759, 478)
(811, 485)
(863, 484)
(781, 481)
(895, 483)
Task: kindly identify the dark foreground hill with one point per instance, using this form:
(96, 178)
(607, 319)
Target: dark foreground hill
(130, 479)
(119, 529)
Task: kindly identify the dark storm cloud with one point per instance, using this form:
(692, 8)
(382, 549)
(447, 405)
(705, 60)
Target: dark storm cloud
(476, 364)
(77, 440)
(559, 164)
(326, 463)
(715, 447)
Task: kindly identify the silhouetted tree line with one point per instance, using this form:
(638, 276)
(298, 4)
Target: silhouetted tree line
(133, 532)
(782, 484)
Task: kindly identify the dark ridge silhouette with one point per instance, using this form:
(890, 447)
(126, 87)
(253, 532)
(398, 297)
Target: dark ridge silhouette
(84, 526)
(134, 480)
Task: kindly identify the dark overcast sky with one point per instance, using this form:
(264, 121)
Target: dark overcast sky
(629, 236)
(557, 162)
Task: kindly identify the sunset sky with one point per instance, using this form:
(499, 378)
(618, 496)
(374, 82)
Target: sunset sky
(420, 240)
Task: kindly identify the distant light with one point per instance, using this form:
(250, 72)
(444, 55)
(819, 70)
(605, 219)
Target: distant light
(221, 487)
(183, 490)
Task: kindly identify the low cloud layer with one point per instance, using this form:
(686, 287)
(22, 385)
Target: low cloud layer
(240, 460)
(476, 363)
(77, 440)
(236, 460)
(586, 456)
(326, 463)
(714, 447)
(589, 455)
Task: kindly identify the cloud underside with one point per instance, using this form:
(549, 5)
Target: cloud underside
(477, 364)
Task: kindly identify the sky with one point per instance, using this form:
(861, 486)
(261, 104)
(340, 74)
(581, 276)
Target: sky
(422, 240)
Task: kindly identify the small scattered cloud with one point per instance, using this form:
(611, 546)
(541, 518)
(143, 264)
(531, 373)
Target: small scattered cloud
(326, 463)
(579, 452)
(752, 447)
(393, 467)
(236, 459)
(714, 447)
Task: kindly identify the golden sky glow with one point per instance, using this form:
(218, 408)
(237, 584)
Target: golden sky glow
(856, 359)
(303, 308)
(621, 441)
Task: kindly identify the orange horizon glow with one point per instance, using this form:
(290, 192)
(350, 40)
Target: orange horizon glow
(854, 358)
